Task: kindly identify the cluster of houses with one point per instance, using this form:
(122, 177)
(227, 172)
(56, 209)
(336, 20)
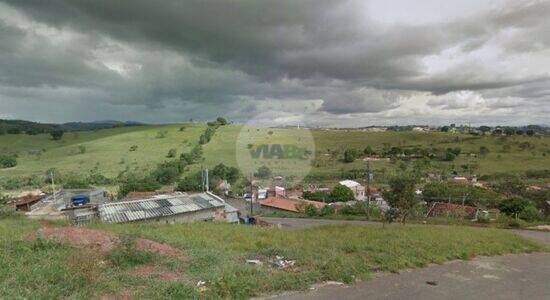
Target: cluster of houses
(279, 198)
(85, 206)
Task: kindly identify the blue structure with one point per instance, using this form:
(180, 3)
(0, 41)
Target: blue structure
(80, 200)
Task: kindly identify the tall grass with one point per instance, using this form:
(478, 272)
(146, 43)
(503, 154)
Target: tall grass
(218, 253)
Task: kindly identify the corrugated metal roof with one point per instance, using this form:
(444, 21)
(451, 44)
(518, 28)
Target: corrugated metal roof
(158, 206)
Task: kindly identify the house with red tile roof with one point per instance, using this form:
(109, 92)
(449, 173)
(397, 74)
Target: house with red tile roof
(292, 205)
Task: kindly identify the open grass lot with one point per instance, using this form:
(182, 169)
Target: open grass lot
(108, 150)
(217, 254)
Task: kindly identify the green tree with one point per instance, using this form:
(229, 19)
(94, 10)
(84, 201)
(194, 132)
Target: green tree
(350, 155)
(135, 183)
(231, 174)
(368, 150)
(167, 172)
(57, 134)
(341, 193)
(484, 129)
(263, 172)
(75, 181)
(191, 183)
(221, 121)
(401, 195)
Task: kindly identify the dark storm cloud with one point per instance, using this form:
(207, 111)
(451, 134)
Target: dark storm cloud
(211, 56)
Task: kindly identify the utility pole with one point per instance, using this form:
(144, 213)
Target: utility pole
(207, 181)
(368, 189)
(53, 186)
(251, 196)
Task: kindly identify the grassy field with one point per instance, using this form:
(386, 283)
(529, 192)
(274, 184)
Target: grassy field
(108, 150)
(45, 269)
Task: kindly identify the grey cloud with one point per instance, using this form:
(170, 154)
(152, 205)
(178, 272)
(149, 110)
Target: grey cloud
(209, 57)
(361, 101)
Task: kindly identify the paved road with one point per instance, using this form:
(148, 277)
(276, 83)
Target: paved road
(296, 223)
(519, 276)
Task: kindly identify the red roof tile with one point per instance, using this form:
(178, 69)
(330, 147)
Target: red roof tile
(288, 204)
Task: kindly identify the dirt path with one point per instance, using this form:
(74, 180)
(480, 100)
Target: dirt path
(519, 276)
(297, 223)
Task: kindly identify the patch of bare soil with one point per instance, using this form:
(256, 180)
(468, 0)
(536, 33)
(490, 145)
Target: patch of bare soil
(161, 249)
(104, 241)
(148, 271)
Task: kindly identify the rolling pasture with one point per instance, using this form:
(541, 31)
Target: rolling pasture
(108, 150)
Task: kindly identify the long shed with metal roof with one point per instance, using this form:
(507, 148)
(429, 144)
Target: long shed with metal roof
(165, 208)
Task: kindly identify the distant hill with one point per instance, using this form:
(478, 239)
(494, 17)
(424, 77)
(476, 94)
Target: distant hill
(79, 126)
(33, 128)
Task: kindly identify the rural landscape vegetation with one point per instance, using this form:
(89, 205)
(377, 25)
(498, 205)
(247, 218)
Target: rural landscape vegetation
(149, 158)
(304, 149)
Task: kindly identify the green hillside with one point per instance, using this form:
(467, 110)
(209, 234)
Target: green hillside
(109, 150)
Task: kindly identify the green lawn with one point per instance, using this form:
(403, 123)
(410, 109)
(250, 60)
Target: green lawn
(108, 150)
(42, 269)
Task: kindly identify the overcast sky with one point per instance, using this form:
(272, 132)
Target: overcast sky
(309, 62)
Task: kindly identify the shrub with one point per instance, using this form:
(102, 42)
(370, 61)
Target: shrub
(161, 134)
(133, 148)
(192, 157)
(327, 210)
(350, 155)
(368, 150)
(308, 209)
(513, 206)
(516, 223)
(75, 181)
(231, 174)
(135, 183)
(172, 153)
(530, 214)
(357, 209)
(191, 183)
(483, 150)
(57, 134)
(449, 156)
(341, 193)
(318, 196)
(94, 177)
(7, 161)
(221, 121)
(81, 149)
(166, 173)
(263, 172)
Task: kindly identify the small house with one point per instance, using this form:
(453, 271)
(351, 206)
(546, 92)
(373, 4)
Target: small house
(274, 203)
